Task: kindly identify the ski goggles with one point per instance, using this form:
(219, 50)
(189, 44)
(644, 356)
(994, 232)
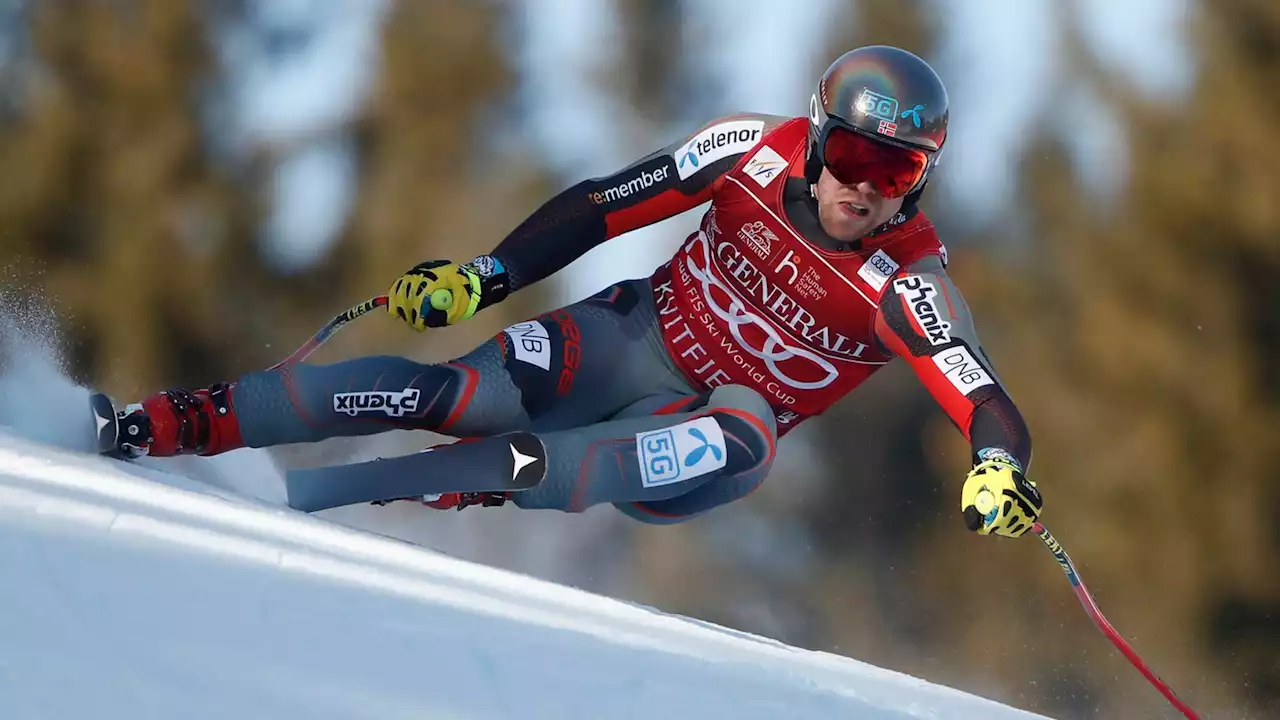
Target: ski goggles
(852, 157)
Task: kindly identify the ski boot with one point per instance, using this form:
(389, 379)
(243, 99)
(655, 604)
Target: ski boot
(171, 422)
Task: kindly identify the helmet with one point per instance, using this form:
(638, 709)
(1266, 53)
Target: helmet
(880, 92)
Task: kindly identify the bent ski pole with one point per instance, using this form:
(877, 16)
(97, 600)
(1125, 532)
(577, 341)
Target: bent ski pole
(329, 329)
(1095, 614)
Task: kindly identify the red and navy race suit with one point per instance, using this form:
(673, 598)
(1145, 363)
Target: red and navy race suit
(761, 297)
(664, 396)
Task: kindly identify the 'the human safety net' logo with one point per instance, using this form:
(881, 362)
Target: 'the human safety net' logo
(394, 404)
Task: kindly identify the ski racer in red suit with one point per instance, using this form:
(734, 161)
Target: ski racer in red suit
(665, 396)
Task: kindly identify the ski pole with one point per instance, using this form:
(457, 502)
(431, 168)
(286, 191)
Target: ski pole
(1095, 614)
(329, 329)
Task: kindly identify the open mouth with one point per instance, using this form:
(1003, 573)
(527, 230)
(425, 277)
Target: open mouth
(855, 209)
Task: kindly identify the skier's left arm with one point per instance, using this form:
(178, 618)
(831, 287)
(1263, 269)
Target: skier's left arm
(924, 319)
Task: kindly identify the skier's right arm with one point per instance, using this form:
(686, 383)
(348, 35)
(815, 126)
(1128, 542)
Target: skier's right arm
(660, 185)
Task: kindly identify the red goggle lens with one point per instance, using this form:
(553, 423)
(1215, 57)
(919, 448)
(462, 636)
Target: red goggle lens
(853, 158)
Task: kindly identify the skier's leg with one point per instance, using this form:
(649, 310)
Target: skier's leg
(661, 468)
(308, 403)
(470, 395)
(566, 368)
(570, 367)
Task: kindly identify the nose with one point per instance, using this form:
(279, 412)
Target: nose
(866, 187)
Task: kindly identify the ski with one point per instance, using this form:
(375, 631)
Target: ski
(502, 463)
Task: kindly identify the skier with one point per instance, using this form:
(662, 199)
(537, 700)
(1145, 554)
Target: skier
(812, 268)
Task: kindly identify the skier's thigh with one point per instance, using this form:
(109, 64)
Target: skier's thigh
(567, 368)
(580, 365)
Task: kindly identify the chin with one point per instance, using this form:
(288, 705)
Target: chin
(848, 230)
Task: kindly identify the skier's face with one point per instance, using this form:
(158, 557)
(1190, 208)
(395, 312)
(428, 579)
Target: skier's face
(848, 212)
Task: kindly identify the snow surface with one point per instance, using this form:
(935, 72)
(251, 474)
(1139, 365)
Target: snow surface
(126, 592)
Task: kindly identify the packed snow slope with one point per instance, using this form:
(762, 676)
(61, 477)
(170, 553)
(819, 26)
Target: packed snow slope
(130, 593)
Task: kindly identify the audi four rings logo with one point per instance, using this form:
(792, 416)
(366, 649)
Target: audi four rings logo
(775, 350)
(881, 264)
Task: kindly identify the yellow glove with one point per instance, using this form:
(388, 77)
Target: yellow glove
(998, 499)
(437, 293)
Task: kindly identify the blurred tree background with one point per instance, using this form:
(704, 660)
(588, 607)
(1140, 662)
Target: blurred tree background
(1138, 329)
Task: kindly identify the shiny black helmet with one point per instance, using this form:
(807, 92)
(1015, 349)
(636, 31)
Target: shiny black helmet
(884, 93)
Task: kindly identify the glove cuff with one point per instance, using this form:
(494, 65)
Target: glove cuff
(494, 284)
(996, 454)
